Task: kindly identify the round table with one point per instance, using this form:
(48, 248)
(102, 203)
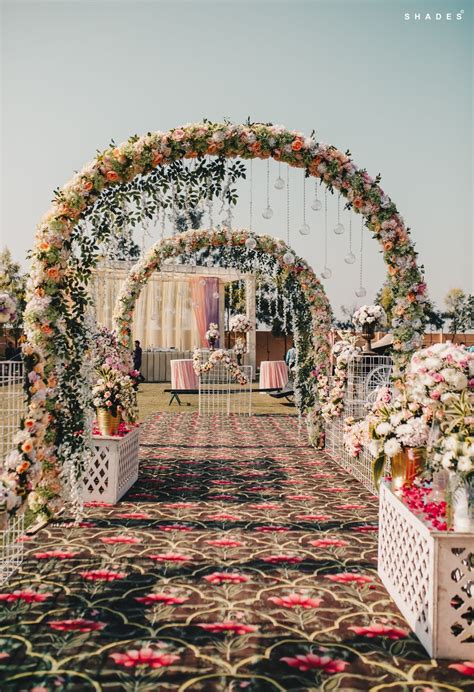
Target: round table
(273, 373)
(183, 375)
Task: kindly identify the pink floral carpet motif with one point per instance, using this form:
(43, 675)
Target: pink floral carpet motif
(242, 559)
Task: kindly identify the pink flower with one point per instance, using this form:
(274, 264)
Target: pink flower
(313, 517)
(103, 575)
(170, 557)
(166, 598)
(277, 559)
(112, 540)
(144, 657)
(223, 517)
(312, 662)
(294, 600)
(27, 595)
(134, 515)
(365, 529)
(349, 578)
(227, 626)
(176, 527)
(178, 135)
(224, 577)
(351, 506)
(59, 554)
(272, 529)
(326, 542)
(225, 543)
(79, 625)
(466, 667)
(378, 630)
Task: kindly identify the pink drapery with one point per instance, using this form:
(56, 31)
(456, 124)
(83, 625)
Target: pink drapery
(205, 304)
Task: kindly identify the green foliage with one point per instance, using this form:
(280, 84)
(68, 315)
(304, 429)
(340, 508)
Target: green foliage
(460, 311)
(13, 282)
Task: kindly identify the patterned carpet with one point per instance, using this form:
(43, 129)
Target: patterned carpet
(241, 560)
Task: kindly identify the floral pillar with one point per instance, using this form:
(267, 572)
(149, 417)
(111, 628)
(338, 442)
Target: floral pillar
(250, 311)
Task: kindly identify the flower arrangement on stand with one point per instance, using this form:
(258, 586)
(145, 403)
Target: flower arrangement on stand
(218, 356)
(8, 308)
(113, 394)
(368, 318)
(240, 325)
(212, 335)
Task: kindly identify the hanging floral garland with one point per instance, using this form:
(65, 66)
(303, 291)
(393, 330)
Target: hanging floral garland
(53, 447)
(216, 357)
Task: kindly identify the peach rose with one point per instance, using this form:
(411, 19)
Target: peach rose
(53, 273)
(23, 467)
(358, 202)
(46, 329)
(157, 158)
(27, 446)
(297, 144)
(88, 185)
(178, 135)
(112, 176)
(212, 148)
(44, 246)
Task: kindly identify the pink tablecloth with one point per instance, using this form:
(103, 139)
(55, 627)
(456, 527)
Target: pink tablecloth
(273, 373)
(183, 375)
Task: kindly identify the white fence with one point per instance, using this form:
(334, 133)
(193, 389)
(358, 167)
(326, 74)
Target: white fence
(366, 375)
(220, 395)
(12, 402)
(12, 408)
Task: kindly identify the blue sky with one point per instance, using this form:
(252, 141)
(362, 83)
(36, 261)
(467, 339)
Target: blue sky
(397, 93)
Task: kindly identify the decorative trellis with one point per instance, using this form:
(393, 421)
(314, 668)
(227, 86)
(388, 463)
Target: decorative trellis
(429, 574)
(220, 395)
(12, 403)
(366, 374)
(12, 408)
(11, 547)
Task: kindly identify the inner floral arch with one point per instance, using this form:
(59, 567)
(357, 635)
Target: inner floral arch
(194, 241)
(53, 442)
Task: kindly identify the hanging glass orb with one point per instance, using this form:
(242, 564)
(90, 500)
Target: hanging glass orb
(251, 243)
(209, 262)
(316, 205)
(361, 292)
(279, 183)
(153, 318)
(215, 295)
(326, 273)
(203, 282)
(305, 229)
(288, 257)
(350, 258)
(339, 229)
(267, 213)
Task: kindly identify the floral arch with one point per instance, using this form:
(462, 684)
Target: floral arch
(312, 327)
(52, 443)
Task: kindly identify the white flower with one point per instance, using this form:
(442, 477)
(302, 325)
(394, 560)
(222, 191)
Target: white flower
(374, 447)
(383, 429)
(396, 419)
(392, 447)
(464, 464)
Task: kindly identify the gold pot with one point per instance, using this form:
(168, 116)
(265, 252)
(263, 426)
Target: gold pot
(407, 465)
(107, 423)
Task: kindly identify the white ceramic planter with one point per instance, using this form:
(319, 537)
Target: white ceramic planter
(113, 469)
(429, 575)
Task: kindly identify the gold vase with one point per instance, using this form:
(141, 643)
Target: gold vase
(407, 465)
(107, 423)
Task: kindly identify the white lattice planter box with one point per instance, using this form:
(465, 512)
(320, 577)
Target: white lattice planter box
(430, 576)
(114, 467)
(360, 467)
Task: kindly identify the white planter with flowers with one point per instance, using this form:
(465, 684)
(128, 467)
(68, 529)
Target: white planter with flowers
(113, 468)
(429, 576)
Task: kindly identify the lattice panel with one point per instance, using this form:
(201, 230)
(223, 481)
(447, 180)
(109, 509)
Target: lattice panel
(366, 375)
(430, 576)
(360, 467)
(214, 391)
(240, 395)
(113, 468)
(11, 553)
(12, 403)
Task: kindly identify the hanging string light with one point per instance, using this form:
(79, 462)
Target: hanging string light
(279, 183)
(267, 213)
(326, 273)
(209, 202)
(350, 258)
(361, 291)
(316, 203)
(285, 312)
(339, 227)
(304, 229)
(251, 243)
(288, 257)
